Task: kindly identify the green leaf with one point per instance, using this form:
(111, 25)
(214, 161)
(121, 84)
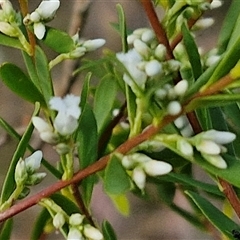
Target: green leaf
(87, 139)
(9, 182)
(6, 229)
(192, 52)
(58, 40)
(121, 203)
(10, 42)
(214, 215)
(228, 25)
(40, 224)
(105, 97)
(15, 79)
(122, 27)
(108, 231)
(42, 69)
(116, 179)
(85, 90)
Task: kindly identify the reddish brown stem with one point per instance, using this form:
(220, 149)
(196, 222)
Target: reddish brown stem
(95, 167)
(157, 26)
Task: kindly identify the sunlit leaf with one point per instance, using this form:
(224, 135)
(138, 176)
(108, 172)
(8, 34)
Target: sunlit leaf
(121, 203)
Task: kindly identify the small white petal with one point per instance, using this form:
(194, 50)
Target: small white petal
(156, 168)
(208, 147)
(58, 220)
(35, 17)
(41, 125)
(141, 48)
(181, 122)
(47, 9)
(174, 108)
(127, 162)
(148, 36)
(160, 52)
(92, 232)
(139, 177)
(39, 30)
(131, 38)
(204, 23)
(49, 137)
(212, 60)
(33, 162)
(216, 4)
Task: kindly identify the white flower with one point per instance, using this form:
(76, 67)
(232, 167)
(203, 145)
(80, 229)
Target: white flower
(47, 9)
(139, 177)
(131, 60)
(33, 162)
(92, 233)
(156, 168)
(69, 111)
(185, 147)
(76, 219)
(74, 234)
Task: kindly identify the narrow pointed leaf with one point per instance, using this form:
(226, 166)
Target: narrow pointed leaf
(6, 229)
(108, 231)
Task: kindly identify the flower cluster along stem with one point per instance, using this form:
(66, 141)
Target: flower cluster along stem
(91, 169)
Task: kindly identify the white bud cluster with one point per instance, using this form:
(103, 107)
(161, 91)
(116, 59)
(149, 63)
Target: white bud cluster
(45, 12)
(25, 171)
(209, 144)
(170, 96)
(142, 165)
(147, 59)
(64, 124)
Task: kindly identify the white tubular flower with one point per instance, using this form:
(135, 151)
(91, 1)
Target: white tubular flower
(75, 234)
(153, 68)
(92, 233)
(69, 111)
(131, 60)
(174, 108)
(92, 45)
(33, 162)
(156, 168)
(139, 177)
(58, 220)
(76, 219)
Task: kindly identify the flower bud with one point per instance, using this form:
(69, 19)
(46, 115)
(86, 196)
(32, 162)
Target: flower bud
(148, 36)
(131, 38)
(185, 147)
(153, 68)
(215, 4)
(92, 232)
(161, 93)
(204, 23)
(181, 87)
(139, 177)
(58, 220)
(74, 234)
(7, 8)
(208, 147)
(174, 108)
(20, 172)
(92, 45)
(127, 162)
(212, 60)
(156, 168)
(215, 160)
(8, 29)
(34, 17)
(141, 48)
(76, 219)
(62, 148)
(160, 52)
(35, 178)
(219, 137)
